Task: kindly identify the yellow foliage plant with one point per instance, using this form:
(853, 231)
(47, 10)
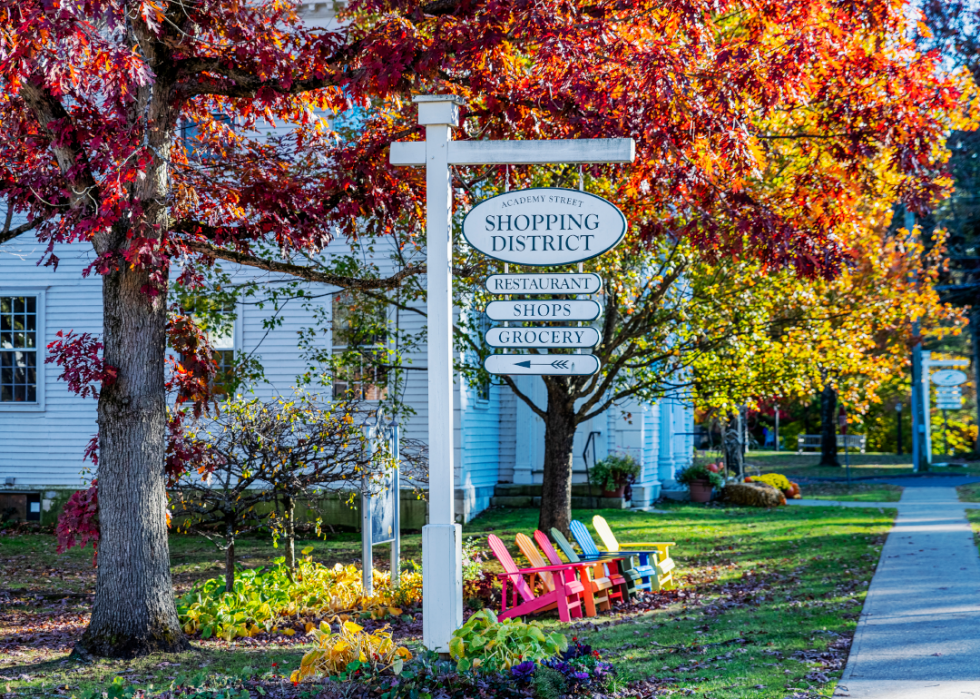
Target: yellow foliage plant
(776, 480)
(335, 651)
(264, 600)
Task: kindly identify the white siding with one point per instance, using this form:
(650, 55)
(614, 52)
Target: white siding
(44, 447)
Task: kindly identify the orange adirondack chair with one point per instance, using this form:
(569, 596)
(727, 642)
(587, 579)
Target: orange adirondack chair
(530, 552)
(566, 595)
(597, 583)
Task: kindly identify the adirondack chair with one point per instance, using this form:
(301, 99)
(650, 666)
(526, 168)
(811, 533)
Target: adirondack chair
(640, 574)
(616, 566)
(593, 576)
(663, 563)
(531, 553)
(566, 597)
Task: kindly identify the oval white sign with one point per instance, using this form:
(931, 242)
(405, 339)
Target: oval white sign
(542, 337)
(543, 227)
(553, 311)
(949, 377)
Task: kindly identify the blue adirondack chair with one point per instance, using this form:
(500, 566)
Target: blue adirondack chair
(640, 575)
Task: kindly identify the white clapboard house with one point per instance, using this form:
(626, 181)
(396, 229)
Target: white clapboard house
(44, 429)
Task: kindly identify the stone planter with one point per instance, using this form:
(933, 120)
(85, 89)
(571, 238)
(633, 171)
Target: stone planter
(700, 491)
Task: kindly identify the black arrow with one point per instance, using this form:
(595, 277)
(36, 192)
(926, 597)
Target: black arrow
(557, 364)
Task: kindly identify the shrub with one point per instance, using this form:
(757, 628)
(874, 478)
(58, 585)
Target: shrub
(487, 644)
(776, 480)
(578, 670)
(699, 472)
(336, 651)
(613, 470)
(263, 598)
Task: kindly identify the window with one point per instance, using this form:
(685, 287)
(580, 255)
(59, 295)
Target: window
(219, 321)
(19, 360)
(359, 338)
(223, 342)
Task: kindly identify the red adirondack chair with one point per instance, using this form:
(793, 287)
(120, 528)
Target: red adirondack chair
(566, 595)
(600, 590)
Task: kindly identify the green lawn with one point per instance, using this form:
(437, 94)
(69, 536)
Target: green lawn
(856, 492)
(969, 492)
(767, 605)
(862, 465)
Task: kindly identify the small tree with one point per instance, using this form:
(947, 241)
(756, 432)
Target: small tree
(256, 452)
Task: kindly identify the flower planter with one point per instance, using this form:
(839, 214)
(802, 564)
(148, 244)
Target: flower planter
(617, 493)
(700, 491)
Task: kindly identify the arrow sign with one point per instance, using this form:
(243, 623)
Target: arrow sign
(553, 311)
(542, 337)
(542, 364)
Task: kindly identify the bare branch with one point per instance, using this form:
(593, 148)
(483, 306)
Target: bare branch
(301, 271)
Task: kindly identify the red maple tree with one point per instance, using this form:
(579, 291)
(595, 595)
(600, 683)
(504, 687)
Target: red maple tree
(755, 126)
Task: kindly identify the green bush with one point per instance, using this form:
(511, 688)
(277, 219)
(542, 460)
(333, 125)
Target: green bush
(613, 470)
(487, 644)
(699, 472)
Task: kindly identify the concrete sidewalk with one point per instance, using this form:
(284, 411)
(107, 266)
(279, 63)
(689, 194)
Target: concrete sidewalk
(919, 632)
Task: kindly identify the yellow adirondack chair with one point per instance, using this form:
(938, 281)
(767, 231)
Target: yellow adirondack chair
(663, 562)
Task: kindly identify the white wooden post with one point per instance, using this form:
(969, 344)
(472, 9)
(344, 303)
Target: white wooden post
(442, 538)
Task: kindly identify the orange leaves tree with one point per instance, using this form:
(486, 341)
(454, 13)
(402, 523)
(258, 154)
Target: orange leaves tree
(755, 126)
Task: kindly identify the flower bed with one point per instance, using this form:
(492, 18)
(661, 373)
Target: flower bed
(266, 599)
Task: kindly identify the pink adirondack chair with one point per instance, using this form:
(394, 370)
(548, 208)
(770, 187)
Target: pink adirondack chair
(566, 595)
(600, 590)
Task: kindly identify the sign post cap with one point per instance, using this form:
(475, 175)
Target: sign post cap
(438, 109)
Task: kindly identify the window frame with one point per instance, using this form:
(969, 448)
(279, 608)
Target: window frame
(483, 392)
(39, 294)
(383, 346)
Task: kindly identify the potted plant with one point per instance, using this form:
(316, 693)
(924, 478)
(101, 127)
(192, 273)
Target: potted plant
(701, 479)
(614, 473)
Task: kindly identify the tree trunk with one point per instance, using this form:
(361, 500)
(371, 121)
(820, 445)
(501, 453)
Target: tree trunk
(732, 444)
(828, 427)
(975, 336)
(230, 564)
(134, 612)
(289, 507)
(559, 437)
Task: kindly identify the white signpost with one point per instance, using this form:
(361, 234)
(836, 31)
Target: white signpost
(944, 377)
(528, 284)
(442, 573)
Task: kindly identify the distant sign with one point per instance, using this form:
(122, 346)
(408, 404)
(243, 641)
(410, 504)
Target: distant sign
(542, 364)
(554, 311)
(949, 377)
(543, 227)
(542, 337)
(544, 283)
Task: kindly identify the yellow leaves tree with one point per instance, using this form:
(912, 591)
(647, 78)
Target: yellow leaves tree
(843, 338)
